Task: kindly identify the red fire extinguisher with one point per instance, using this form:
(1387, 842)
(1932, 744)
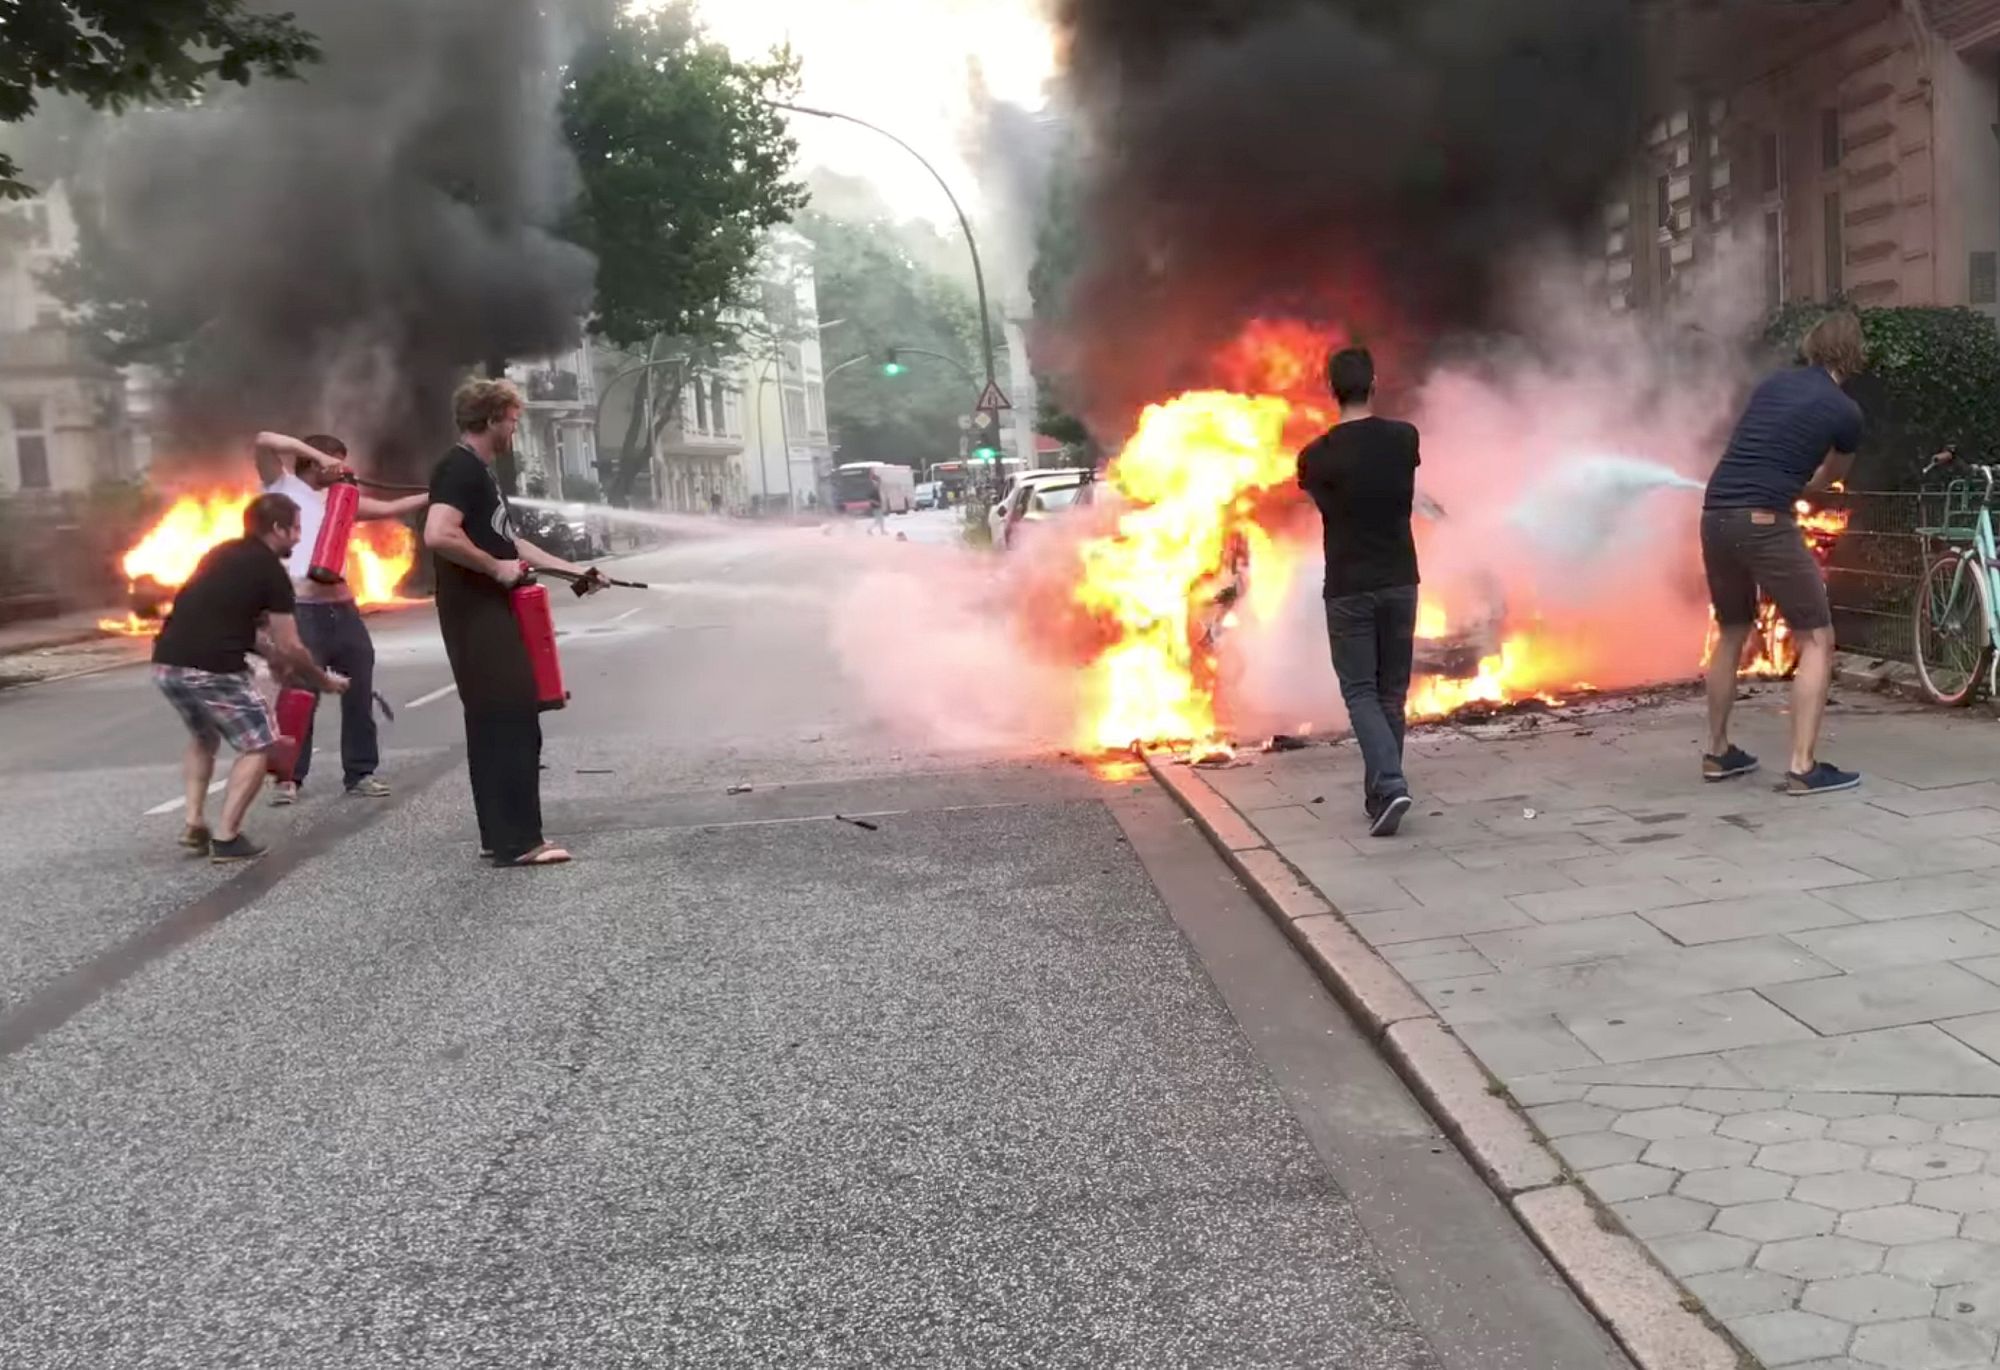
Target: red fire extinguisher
(295, 711)
(538, 631)
(329, 557)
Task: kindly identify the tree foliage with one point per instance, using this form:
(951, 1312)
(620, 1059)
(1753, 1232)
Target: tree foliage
(114, 53)
(868, 280)
(684, 168)
(1933, 378)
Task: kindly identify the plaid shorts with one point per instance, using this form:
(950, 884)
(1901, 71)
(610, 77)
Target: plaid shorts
(218, 707)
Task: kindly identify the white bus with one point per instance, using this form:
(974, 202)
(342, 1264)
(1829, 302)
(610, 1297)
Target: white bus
(855, 484)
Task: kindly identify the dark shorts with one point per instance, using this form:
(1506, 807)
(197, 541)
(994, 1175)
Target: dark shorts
(1747, 550)
(218, 707)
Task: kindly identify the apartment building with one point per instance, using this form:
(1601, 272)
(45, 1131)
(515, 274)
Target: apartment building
(1856, 144)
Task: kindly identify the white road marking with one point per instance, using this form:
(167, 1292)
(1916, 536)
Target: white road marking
(181, 803)
(433, 697)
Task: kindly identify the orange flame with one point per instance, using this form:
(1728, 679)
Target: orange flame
(379, 555)
(1203, 477)
(1769, 653)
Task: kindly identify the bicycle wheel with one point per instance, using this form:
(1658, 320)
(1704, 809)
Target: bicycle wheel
(1954, 645)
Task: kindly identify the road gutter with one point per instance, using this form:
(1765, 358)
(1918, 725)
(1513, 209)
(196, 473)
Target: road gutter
(1660, 1326)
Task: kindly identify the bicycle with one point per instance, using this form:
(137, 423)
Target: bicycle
(1954, 614)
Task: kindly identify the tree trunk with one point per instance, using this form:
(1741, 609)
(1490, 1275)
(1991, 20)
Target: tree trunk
(634, 454)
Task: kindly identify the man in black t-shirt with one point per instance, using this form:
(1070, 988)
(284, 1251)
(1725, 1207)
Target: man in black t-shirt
(479, 561)
(199, 665)
(1362, 475)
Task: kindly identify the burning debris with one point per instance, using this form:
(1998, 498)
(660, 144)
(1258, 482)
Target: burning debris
(380, 557)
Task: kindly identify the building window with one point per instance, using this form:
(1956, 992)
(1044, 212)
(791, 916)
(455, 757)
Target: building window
(700, 407)
(816, 407)
(1770, 169)
(1666, 206)
(795, 363)
(1984, 285)
(719, 425)
(1774, 261)
(1831, 213)
(1829, 139)
(795, 413)
(31, 445)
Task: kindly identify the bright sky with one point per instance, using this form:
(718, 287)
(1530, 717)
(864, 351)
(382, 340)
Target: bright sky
(902, 64)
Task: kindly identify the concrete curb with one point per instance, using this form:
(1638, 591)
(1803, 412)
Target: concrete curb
(1659, 1326)
(1877, 676)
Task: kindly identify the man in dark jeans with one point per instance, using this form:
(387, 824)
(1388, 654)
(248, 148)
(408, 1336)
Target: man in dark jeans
(303, 469)
(1362, 475)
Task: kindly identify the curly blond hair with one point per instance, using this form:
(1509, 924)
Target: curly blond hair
(481, 403)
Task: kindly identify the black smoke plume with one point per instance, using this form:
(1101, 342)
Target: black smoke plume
(336, 253)
(1369, 163)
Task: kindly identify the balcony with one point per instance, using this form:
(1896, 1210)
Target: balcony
(554, 387)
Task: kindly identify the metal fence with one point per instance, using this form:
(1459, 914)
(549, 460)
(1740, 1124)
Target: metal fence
(1872, 574)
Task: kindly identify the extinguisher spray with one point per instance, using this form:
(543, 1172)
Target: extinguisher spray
(329, 556)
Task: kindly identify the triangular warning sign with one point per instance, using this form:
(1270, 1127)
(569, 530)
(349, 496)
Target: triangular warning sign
(991, 400)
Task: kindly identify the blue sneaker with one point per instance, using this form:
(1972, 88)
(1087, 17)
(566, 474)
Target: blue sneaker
(1390, 816)
(1823, 778)
(1728, 766)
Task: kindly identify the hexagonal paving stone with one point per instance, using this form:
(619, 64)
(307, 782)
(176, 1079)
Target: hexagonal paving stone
(1978, 1304)
(1736, 1185)
(1923, 1344)
(1852, 1189)
(1869, 1298)
(1617, 1183)
(1774, 1125)
(1591, 1150)
(1820, 1258)
(1981, 1227)
(1930, 1161)
(1665, 1216)
(1739, 1293)
(1631, 1098)
(1954, 1260)
(1981, 1134)
(1948, 1108)
(1560, 1120)
(1791, 1336)
(1702, 1253)
(1836, 1105)
(1883, 1129)
(1659, 1124)
(1899, 1225)
(1774, 1221)
(1961, 1193)
(1698, 1153)
(1810, 1158)
(1727, 1101)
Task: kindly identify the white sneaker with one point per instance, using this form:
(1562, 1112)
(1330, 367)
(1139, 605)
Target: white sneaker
(286, 792)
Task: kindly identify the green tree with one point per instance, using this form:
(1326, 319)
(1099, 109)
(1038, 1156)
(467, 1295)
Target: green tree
(684, 169)
(867, 278)
(1058, 251)
(115, 53)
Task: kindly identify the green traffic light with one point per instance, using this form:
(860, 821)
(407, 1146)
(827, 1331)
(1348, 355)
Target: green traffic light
(893, 368)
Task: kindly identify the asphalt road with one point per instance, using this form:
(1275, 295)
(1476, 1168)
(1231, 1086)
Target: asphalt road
(1010, 1072)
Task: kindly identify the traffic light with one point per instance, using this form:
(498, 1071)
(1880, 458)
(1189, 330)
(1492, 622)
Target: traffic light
(986, 451)
(892, 367)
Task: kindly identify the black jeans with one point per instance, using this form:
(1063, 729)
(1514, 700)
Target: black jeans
(503, 750)
(1373, 635)
(338, 640)
(503, 723)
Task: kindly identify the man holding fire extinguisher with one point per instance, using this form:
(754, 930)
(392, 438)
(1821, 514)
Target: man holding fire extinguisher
(480, 562)
(329, 621)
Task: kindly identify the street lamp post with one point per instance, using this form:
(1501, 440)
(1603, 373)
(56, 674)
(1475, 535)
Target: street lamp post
(972, 244)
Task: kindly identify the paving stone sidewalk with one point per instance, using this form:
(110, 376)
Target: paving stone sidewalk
(1764, 1031)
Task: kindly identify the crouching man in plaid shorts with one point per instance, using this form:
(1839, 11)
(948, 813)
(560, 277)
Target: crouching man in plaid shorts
(199, 665)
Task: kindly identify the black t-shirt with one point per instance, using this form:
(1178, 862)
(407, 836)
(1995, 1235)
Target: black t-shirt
(1792, 421)
(468, 485)
(1363, 477)
(215, 616)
